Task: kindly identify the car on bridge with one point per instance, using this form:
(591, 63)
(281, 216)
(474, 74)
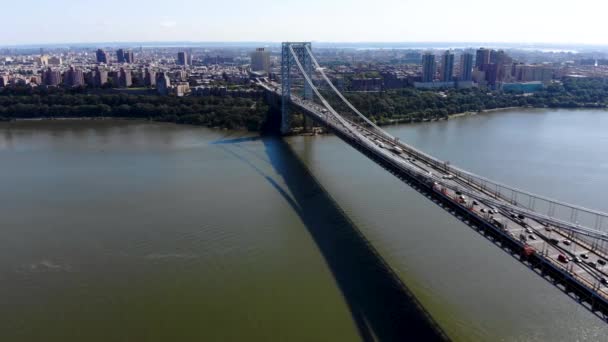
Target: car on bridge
(564, 259)
(397, 150)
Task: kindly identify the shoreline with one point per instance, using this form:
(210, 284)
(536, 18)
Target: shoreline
(459, 115)
(321, 132)
(82, 118)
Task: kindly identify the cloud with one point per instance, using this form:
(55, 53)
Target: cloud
(168, 24)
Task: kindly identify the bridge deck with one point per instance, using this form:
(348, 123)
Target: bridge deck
(546, 246)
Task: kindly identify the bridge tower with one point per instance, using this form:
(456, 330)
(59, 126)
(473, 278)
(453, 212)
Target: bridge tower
(287, 62)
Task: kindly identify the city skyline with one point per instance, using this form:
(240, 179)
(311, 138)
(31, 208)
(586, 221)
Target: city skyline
(274, 21)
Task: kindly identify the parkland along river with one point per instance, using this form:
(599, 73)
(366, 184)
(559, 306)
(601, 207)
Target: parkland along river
(138, 231)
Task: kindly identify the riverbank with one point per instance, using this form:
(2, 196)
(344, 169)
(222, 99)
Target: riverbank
(86, 118)
(209, 111)
(470, 113)
(406, 121)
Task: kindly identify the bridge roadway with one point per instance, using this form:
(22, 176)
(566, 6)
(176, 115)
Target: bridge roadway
(555, 253)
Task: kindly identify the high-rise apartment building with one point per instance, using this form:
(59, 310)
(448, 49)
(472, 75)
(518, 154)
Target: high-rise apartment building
(182, 58)
(102, 57)
(123, 56)
(3, 80)
(162, 83)
(429, 67)
(73, 77)
(466, 66)
(129, 57)
(51, 77)
(149, 78)
(482, 57)
(536, 72)
(120, 56)
(124, 78)
(97, 78)
(491, 71)
(447, 66)
(260, 60)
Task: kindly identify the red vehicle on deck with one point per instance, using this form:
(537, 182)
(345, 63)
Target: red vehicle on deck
(529, 250)
(563, 258)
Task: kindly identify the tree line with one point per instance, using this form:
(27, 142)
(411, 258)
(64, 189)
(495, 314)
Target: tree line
(412, 105)
(403, 105)
(224, 112)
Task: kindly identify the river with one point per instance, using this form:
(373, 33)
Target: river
(123, 231)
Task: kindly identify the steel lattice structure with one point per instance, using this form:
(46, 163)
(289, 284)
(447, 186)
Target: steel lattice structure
(293, 53)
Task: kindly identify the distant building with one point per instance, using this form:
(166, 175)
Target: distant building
(3, 80)
(393, 81)
(73, 77)
(366, 84)
(479, 77)
(190, 55)
(123, 56)
(124, 78)
(180, 89)
(55, 61)
(43, 60)
(501, 59)
(466, 66)
(482, 57)
(129, 57)
(526, 87)
(51, 77)
(429, 67)
(149, 78)
(97, 78)
(180, 75)
(207, 60)
(120, 56)
(163, 84)
(36, 79)
(182, 58)
(491, 71)
(102, 57)
(137, 76)
(260, 60)
(529, 73)
(447, 66)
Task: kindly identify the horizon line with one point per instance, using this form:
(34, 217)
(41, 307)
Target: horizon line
(246, 42)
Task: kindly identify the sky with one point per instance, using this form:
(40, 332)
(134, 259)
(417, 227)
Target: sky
(518, 21)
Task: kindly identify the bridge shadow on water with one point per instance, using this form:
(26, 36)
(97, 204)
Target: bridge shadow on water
(382, 306)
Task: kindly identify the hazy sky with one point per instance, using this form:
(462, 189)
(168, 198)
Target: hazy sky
(61, 21)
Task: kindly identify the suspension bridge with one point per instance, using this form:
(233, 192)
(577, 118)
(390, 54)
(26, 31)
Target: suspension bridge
(562, 242)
